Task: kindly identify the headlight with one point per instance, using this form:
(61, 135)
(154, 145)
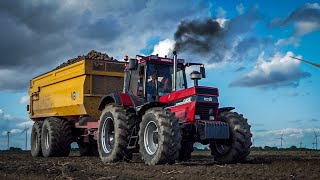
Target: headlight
(197, 117)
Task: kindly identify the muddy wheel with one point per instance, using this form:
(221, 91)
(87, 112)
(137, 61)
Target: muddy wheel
(56, 137)
(112, 143)
(186, 150)
(36, 139)
(159, 137)
(238, 147)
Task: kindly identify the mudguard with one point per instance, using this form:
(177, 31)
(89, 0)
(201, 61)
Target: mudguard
(143, 108)
(121, 99)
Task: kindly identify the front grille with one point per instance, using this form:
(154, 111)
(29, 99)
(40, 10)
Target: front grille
(203, 109)
(207, 91)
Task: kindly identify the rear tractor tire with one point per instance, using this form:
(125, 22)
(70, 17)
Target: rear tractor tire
(56, 137)
(159, 137)
(238, 147)
(36, 150)
(112, 143)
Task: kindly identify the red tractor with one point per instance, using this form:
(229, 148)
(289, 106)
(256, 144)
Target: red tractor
(158, 116)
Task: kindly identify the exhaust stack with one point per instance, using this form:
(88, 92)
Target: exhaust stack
(175, 69)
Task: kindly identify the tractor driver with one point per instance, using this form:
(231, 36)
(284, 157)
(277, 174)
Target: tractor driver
(164, 84)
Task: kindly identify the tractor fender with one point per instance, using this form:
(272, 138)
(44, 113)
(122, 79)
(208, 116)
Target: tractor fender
(142, 109)
(225, 109)
(121, 99)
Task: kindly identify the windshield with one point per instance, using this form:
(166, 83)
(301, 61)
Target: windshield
(161, 75)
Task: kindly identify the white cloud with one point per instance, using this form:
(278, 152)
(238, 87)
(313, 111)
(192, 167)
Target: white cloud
(12, 131)
(164, 47)
(1, 111)
(291, 40)
(23, 124)
(306, 27)
(7, 117)
(240, 8)
(24, 100)
(280, 70)
(222, 22)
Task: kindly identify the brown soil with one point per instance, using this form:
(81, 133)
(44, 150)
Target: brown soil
(260, 165)
(91, 55)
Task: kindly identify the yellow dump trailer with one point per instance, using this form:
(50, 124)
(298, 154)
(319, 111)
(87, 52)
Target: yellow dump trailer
(75, 90)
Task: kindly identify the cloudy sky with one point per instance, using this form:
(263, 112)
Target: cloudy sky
(246, 47)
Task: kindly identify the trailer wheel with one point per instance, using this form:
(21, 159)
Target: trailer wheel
(186, 150)
(56, 137)
(112, 143)
(160, 137)
(36, 139)
(238, 147)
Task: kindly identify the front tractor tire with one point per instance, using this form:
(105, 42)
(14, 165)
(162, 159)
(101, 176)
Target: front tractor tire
(112, 142)
(56, 137)
(238, 146)
(159, 137)
(36, 150)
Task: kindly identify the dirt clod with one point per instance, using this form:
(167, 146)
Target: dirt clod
(91, 55)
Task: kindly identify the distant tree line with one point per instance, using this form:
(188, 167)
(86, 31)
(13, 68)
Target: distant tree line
(269, 148)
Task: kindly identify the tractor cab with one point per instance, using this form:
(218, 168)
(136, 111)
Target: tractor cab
(151, 77)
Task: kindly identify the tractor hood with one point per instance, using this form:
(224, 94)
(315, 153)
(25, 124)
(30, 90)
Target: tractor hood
(201, 92)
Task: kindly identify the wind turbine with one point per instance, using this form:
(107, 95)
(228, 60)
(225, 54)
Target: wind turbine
(253, 141)
(26, 130)
(313, 145)
(312, 63)
(281, 139)
(8, 135)
(300, 145)
(316, 138)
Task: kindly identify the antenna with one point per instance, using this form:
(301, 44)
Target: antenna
(8, 135)
(26, 130)
(281, 140)
(315, 138)
(312, 63)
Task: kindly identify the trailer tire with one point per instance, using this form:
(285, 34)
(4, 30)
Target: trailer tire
(159, 137)
(186, 150)
(238, 148)
(112, 143)
(36, 139)
(56, 137)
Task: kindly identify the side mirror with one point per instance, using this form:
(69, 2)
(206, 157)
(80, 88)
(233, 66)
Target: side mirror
(133, 64)
(203, 72)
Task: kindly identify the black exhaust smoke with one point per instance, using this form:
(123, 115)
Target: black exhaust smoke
(214, 41)
(196, 36)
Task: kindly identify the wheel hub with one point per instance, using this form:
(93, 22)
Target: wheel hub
(151, 138)
(107, 135)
